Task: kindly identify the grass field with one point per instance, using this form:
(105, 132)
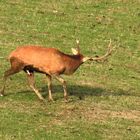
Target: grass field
(104, 97)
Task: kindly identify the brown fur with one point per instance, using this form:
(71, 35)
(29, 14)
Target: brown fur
(47, 60)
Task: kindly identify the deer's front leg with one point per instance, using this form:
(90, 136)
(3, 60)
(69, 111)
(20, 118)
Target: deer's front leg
(63, 82)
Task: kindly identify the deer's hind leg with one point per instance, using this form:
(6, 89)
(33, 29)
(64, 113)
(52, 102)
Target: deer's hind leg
(31, 81)
(16, 66)
(49, 78)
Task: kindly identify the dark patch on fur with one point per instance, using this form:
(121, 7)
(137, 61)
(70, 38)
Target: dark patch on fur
(31, 69)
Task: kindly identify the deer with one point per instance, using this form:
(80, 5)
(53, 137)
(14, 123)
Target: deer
(49, 61)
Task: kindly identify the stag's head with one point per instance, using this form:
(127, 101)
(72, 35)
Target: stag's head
(76, 51)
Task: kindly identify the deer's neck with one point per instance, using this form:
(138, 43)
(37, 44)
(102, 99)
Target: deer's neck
(72, 63)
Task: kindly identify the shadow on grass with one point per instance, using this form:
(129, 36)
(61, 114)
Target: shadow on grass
(79, 91)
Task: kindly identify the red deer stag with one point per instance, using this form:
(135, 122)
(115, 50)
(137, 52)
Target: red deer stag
(48, 61)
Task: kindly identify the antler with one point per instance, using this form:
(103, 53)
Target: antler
(109, 51)
(78, 48)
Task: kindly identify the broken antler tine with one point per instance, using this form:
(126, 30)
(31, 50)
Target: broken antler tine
(77, 41)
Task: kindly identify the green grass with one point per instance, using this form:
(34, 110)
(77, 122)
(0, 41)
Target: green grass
(104, 97)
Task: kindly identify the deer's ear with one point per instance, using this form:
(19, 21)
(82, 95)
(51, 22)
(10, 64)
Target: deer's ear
(74, 51)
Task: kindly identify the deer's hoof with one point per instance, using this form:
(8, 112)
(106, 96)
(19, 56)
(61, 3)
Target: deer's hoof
(42, 99)
(66, 100)
(50, 100)
(1, 95)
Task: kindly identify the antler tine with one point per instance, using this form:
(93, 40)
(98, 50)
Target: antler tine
(109, 45)
(77, 42)
(109, 49)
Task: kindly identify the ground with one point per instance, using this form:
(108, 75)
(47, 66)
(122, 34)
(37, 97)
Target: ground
(104, 98)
